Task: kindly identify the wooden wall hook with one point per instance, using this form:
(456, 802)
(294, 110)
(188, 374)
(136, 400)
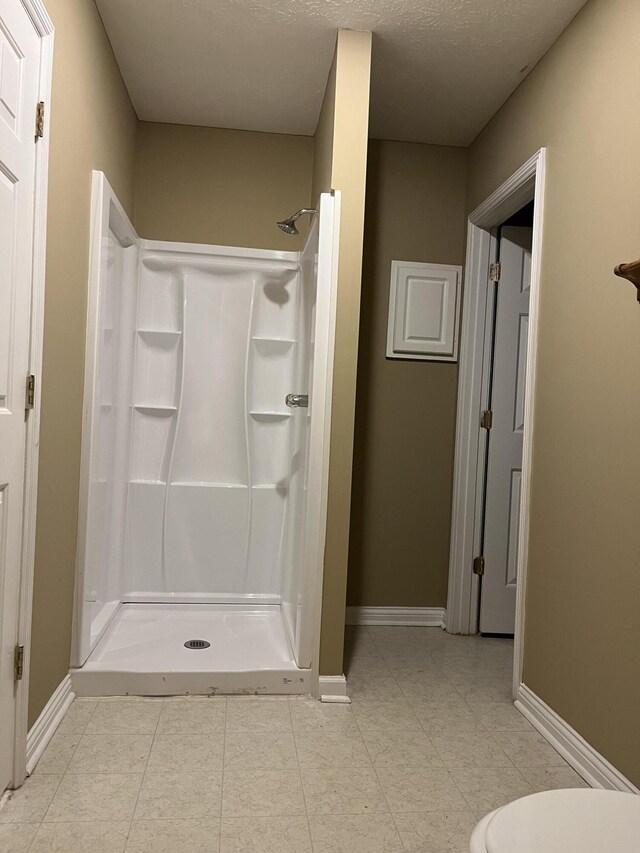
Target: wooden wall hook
(631, 272)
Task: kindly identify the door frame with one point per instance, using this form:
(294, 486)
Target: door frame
(527, 183)
(44, 27)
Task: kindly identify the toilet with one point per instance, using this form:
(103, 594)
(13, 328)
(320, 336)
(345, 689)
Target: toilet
(578, 820)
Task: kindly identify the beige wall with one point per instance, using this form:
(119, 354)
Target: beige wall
(405, 412)
(228, 187)
(93, 126)
(582, 635)
(340, 163)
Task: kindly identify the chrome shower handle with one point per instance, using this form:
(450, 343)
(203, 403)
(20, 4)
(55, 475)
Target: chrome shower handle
(297, 401)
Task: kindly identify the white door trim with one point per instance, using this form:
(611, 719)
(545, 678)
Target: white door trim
(44, 27)
(462, 605)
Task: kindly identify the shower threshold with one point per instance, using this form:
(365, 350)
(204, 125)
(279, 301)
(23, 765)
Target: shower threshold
(143, 653)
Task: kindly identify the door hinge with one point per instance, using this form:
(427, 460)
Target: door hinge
(478, 566)
(495, 271)
(486, 419)
(39, 119)
(30, 392)
(18, 663)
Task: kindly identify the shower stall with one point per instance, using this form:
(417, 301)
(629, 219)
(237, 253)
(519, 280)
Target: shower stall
(205, 459)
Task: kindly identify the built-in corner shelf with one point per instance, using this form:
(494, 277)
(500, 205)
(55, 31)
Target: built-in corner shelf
(159, 337)
(158, 411)
(269, 417)
(148, 482)
(272, 346)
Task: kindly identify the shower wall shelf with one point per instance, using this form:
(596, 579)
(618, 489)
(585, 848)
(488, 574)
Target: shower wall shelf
(158, 337)
(158, 411)
(267, 416)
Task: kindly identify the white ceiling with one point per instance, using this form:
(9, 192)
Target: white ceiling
(441, 68)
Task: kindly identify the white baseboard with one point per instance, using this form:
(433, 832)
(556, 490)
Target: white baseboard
(585, 760)
(425, 617)
(44, 727)
(333, 688)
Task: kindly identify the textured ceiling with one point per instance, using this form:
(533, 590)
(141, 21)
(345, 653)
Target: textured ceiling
(441, 68)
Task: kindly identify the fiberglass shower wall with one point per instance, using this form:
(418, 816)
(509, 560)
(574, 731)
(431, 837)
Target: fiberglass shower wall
(195, 472)
(210, 435)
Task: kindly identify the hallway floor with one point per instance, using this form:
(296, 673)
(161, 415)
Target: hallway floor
(430, 743)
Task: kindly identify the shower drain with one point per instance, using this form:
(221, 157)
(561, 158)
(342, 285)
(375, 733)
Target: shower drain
(197, 644)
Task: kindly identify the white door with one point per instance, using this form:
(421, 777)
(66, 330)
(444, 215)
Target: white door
(304, 533)
(19, 72)
(504, 468)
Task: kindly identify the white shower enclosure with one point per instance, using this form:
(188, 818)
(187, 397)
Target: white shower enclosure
(203, 494)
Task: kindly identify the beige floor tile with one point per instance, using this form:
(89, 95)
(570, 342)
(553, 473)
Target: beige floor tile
(552, 778)
(95, 797)
(497, 691)
(179, 753)
(192, 716)
(334, 791)
(332, 748)
(371, 833)
(432, 690)
(80, 837)
(469, 749)
(358, 642)
(262, 793)
(111, 754)
(384, 716)
(265, 835)
(16, 837)
(174, 836)
(436, 832)
(529, 749)
(446, 714)
(380, 688)
(78, 715)
(416, 789)
(312, 715)
(404, 748)
(259, 750)
(30, 802)
(488, 788)
(258, 714)
(179, 796)
(58, 754)
(501, 717)
(125, 716)
(365, 664)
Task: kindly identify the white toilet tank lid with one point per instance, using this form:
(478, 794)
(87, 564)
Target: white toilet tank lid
(579, 820)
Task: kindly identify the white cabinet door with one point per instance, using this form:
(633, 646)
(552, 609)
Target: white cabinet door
(424, 305)
(504, 470)
(19, 70)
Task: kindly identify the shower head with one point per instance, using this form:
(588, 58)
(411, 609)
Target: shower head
(289, 225)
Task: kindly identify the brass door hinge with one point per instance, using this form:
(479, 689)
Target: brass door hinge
(486, 419)
(478, 566)
(495, 271)
(18, 663)
(39, 119)
(30, 392)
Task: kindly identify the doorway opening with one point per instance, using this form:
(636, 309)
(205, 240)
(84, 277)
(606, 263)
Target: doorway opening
(491, 494)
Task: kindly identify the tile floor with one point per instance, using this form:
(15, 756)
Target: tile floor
(430, 743)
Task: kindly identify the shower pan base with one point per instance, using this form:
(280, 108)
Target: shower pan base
(142, 653)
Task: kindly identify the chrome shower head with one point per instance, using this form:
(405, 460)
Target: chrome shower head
(289, 225)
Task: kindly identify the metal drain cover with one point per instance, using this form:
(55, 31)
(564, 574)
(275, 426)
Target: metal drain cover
(197, 644)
